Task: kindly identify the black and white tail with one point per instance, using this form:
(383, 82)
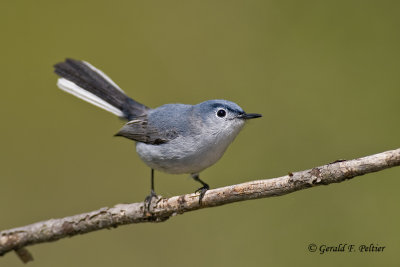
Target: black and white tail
(83, 80)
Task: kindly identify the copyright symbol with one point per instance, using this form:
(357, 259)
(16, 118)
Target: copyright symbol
(312, 247)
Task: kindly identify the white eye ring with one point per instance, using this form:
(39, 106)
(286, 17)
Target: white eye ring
(221, 113)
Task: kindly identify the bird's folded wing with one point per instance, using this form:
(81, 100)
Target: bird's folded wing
(139, 130)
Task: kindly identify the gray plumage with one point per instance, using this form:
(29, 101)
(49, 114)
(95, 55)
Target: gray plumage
(198, 137)
(174, 138)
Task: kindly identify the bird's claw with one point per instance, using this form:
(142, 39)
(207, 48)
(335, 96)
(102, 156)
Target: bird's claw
(149, 198)
(202, 191)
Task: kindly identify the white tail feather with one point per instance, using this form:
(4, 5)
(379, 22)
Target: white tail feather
(81, 93)
(102, 74)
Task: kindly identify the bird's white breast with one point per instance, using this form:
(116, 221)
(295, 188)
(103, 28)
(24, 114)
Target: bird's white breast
(188, 154)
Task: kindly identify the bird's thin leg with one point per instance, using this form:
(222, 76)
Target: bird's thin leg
(147, 200)
(202, 189)
(152, 180)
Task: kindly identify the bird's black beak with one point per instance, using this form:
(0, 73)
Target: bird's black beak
(248, 116)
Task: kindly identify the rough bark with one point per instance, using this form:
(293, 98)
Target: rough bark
(163, 208)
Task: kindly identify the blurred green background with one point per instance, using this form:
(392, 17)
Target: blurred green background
(325, 75)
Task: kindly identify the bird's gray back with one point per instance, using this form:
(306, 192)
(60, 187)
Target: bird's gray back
(171, 118)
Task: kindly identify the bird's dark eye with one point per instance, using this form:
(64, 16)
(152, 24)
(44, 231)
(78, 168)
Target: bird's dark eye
(221, 113)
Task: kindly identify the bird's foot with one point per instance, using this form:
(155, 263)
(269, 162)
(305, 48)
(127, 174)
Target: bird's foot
(202, 191)
(149, 198)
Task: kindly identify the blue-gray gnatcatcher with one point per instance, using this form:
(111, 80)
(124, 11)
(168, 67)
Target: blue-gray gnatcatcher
(173, 138)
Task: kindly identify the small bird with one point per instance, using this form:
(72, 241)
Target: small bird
(173, 138)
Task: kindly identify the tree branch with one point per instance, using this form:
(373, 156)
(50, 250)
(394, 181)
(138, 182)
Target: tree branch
(162, 209)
